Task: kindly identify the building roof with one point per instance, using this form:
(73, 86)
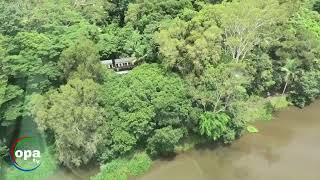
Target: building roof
(121, 60)
(107, 62)
(125, 60)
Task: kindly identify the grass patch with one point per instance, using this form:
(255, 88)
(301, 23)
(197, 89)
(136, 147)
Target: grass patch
(119, 169)
(279, 102)
(256, 108)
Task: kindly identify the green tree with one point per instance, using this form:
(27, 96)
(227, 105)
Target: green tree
(144, 100)
(261, 69)
(74, 115)
(67, 36)
(306, 89)
(316, 6)
(148, 97)
(294, 40)
(11, 17)
(31, 60)
(117, 10)
(220, 87)
(213, 125)
(28, 64)
(4, 150)
(190, 46)
(144, 13)
(81, 60)
(10, 94)
(51, 16)
(290, 70)
(92, 10)
(220, 94)
(164, 140)
(115, 42)
(11, 106)
(309, 19)
(246, 23)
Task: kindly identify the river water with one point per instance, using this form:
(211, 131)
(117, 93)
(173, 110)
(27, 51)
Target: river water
(286, 148)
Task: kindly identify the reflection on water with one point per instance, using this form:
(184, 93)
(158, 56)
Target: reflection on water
(287, 148)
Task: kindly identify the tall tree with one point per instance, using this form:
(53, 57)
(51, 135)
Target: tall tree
(81, 60)
(164, 141)
(290, 69)
(246, 23)
(115, 42)
(143, 101)
(220, 87)
(306, 89)
(11, 104)
(189, 46)
(74, 115)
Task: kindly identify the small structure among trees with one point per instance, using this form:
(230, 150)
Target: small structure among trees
(121, 66)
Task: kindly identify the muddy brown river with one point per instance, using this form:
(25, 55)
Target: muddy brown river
(286, 148)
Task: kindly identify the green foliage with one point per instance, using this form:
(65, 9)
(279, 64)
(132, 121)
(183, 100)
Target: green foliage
(69, 35)
(11, 17)
(139, 164)
(258, 108)
(51, 15)
(220, 87)
(190, 46)
(115, 170)
(141, 102)
(4, 150)
(213, 125)
(146, 13)
(252, 129)
(255, 108)
(310, 20)
(306, 89)
(74, 114)
(316, 6)
(10, 104)
(92, 10)
(117, 42)
(279, 102)
(119, 169)
(218, 64)
(260, 67)
(31, 56)
(290, 69)
(245, 23)
(188, 143)
(302, 44)
(164, 140)
(81, 60)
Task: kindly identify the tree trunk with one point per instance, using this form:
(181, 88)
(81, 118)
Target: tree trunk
(285, 88)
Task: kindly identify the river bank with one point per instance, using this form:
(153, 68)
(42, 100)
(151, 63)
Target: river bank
(285, 148)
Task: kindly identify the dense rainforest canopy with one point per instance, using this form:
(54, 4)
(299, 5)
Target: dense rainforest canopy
(206, 69)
